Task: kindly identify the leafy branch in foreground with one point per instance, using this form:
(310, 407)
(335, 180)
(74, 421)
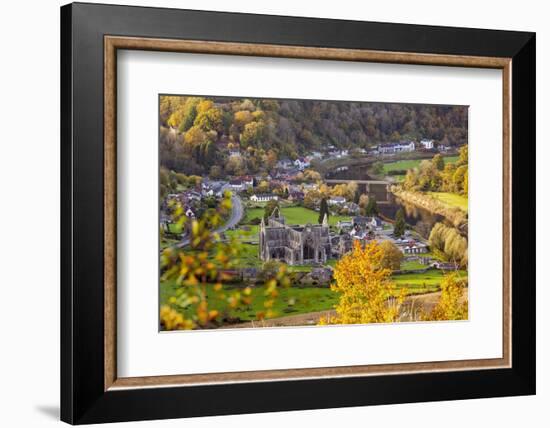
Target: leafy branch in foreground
(201, 270)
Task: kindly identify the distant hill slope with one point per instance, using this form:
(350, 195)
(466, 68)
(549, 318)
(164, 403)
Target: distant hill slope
(198, 133)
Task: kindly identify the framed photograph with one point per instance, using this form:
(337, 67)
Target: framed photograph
(291, 213)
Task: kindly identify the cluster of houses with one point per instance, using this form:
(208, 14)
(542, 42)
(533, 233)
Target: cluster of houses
(335, 153)
(304, 162)
(372, 227)
(295, 194)
(404, 146)
(299, 164)
(361, 227)
(342, 205)
(411, 246)
(291, 167)
(287, 170)
(241, 183)
(189, 201)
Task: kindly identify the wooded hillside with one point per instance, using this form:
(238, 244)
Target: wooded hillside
(197, 134)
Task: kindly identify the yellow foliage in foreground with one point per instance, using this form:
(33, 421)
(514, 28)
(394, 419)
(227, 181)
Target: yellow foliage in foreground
(209, 261)
(451, 305)
(366, 291)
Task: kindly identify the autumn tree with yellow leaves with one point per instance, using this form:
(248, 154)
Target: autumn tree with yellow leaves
(207, 263)
(367, 294)
(451, 305)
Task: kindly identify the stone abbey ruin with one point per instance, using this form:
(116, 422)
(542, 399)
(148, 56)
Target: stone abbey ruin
(299, 244)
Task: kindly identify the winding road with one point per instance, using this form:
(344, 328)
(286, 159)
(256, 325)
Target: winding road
(236, 215)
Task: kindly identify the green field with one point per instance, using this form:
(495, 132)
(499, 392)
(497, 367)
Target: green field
(298, 300)
(413, 281)
(294, 215)
(412, 265)
(245, 235)
(291, 301)
(249, 256)
(406, 164)
(451, 200)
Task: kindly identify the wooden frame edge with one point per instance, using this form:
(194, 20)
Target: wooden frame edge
(299, 374)
(301, 52)
(112, 43)
(507, 212)
(109, 197)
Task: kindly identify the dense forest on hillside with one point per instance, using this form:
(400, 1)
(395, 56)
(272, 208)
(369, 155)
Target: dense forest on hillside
(198, 134)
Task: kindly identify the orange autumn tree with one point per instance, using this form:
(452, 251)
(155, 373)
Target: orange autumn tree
(367, 294)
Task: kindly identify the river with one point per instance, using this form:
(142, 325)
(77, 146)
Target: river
(419, 219)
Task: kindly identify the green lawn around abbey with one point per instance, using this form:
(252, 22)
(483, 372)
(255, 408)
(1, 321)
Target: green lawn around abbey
(294, 215)
(248, 233)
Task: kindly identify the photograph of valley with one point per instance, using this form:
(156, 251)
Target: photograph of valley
(286, 212)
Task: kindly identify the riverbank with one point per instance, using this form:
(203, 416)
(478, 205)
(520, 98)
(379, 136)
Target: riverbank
(452, 200)
(454, 215)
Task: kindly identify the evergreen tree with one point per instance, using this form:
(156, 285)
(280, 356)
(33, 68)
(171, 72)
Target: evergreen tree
(399, 226)
(438, 162)
(323, 210)
(372, 208)
(269, 208)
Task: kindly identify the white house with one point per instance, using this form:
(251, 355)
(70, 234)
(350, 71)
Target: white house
(338, 153)
(411, 246)
(362, 222)
(336, 200)
(427, 144)
(406, 146)
(237, 185)
(265, 197)
(301, 163)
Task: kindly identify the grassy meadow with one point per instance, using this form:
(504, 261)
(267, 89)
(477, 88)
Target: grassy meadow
(294, 215)
(302, 300)
(291, 301)
(404, 165)
(451, 200)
